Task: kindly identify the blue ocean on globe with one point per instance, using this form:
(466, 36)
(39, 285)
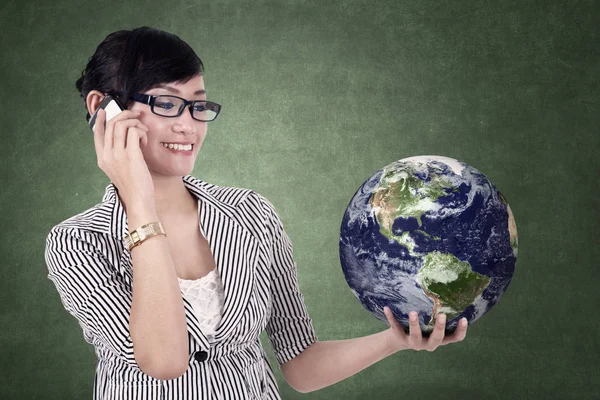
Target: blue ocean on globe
(429, 234)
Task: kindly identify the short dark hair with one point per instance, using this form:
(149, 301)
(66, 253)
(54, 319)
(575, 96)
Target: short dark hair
(128, 62)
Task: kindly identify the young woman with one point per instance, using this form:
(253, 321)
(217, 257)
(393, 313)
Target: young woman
(173, 279)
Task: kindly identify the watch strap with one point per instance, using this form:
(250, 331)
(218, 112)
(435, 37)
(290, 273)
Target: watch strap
(136, 237)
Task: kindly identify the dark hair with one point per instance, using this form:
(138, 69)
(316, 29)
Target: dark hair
(128, 62)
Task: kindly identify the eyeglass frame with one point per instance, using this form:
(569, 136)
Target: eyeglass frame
(150, 99)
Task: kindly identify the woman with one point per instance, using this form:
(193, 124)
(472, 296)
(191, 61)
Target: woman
(178, 314)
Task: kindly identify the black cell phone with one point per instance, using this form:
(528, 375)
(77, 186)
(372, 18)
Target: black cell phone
(112, 108)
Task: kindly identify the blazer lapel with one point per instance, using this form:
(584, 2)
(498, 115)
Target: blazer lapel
(235, 252)
(234, 249)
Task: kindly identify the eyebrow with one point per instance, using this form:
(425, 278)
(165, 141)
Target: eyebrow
(172, 89)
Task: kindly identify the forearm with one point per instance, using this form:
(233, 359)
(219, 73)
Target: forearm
(157, 321)
(325, 363)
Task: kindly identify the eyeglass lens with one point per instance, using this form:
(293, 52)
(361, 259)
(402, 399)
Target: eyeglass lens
(170, 106)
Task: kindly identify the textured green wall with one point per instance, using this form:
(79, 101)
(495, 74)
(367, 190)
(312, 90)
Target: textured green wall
(317, 96)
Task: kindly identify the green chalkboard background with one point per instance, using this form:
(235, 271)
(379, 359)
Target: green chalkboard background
(317, 96)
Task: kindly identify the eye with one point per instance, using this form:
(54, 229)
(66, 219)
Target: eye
(164, 104)
(199, 107)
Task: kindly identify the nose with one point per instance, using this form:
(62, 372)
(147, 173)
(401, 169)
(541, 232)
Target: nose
(185, 123)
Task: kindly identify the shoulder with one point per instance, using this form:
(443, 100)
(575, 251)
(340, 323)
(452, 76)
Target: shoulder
(80, 232)
(95, 219)
(242, 199)
(229, 195)
(86, 234)
(252, 210)
(71, 243)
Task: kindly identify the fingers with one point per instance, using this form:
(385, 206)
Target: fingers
(128, 131)
(136, 135)
(110, 137)
(119, 127)
(391, 319)
(415, 335)
(459, 334)
(437, 336)
(102, 129)
(99, 134)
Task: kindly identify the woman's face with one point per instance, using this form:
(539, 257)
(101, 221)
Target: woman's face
(182, 129)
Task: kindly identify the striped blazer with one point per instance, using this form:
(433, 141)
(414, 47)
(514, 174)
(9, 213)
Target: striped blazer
(92, 271)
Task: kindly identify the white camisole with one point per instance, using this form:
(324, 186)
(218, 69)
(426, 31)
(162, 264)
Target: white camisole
(206, 296)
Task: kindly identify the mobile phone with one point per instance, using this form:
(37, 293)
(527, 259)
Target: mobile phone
(112, 108)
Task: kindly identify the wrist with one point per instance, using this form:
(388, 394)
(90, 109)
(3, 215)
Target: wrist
(140, 215)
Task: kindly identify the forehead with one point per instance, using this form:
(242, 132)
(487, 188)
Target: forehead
(194, 86)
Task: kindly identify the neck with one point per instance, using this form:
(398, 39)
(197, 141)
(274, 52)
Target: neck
(171, 197)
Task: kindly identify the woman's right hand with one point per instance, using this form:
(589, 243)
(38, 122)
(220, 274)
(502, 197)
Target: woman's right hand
(120, 157)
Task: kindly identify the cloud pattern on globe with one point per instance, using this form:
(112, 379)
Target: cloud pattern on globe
(429, 234)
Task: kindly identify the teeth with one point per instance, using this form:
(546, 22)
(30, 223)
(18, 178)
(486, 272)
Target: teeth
(175, 146)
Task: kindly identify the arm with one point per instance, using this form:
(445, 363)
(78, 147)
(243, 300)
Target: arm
(157, 322)
(92, 292)
(325, 363)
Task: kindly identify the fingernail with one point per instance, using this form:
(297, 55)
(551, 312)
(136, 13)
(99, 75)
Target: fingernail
(463, 322)
(413, 316)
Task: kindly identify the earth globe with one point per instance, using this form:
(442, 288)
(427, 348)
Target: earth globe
(429, 234)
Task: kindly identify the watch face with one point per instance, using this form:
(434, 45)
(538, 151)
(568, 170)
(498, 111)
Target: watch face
(137, 236)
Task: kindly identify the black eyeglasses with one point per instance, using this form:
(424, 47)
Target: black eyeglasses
(173, 106)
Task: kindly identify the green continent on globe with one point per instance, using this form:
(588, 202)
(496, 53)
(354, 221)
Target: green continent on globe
(401, 193)
(450, 283)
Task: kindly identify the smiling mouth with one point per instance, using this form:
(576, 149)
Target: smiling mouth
(178, 147)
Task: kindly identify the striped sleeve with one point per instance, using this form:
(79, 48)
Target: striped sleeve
(289, 328)
(90, 290)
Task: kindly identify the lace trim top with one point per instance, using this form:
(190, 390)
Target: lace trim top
(206, 296)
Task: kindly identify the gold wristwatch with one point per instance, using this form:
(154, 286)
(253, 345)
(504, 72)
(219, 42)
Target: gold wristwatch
(142, 233)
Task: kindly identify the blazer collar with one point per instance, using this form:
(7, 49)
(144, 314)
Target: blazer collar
(117, 226)
(234, 249)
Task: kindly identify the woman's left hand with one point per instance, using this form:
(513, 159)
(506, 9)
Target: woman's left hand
(399, 340)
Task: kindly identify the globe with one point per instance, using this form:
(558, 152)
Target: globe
(429, 234)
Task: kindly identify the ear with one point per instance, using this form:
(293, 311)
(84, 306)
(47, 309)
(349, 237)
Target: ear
(93, 100)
